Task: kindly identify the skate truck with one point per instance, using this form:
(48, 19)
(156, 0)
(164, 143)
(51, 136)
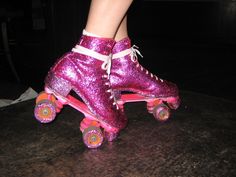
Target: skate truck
(49, 103)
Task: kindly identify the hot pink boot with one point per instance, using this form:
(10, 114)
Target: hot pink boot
(128, 75)
(85, 70)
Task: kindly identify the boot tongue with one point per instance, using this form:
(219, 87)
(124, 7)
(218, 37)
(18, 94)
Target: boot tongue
(121, 45)
(101, 45)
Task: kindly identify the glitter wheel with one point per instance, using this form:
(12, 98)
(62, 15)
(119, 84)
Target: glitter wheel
(45, 111)
(161, 112)
(45, 96)
(92, 137)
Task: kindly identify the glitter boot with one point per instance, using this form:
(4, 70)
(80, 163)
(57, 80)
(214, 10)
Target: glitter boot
(128, 75)
(85, 70)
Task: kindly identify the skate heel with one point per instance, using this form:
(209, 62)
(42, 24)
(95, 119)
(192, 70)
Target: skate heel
(57, 85)
(50, 102)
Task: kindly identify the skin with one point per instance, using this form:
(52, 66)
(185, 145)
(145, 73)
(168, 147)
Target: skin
(122, 31)
(107, 18)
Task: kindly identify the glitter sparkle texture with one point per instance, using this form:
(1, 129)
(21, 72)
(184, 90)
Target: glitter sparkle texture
(129, 75)
(83, 74)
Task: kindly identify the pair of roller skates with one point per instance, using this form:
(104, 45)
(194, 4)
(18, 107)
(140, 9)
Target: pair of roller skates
(87, 70)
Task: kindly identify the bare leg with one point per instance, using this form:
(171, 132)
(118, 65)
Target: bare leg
(105, 16)
(122, 31)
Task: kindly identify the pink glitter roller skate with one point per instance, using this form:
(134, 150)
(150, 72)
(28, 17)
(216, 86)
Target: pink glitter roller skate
(128, 75)
(85, 70)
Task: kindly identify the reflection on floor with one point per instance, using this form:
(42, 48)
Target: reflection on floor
(198, 140)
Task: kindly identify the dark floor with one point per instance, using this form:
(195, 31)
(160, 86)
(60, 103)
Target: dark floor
(198, 140)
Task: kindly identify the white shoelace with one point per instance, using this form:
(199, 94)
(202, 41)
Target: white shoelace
(134, 52)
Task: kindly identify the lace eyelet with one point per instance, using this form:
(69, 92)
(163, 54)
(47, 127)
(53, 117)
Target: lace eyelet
(108, 91)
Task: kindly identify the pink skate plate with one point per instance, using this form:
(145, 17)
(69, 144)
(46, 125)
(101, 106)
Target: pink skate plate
(154, 105)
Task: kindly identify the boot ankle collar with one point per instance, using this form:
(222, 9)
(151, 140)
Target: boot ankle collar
(133, 51)
(100, 45)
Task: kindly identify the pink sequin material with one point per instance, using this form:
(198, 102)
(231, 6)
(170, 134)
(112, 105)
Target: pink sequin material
(128, 75)
(84, 75)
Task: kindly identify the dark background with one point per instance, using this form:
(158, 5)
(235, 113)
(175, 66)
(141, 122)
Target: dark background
(192, 43)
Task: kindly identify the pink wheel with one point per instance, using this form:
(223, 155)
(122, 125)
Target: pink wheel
(161, 112)
(92, 137)
(45, 111)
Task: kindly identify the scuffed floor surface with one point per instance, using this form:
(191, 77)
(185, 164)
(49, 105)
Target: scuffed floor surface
(198, 140)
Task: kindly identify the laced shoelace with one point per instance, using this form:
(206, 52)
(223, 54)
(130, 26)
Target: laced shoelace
(106, 66)
(134, 58)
